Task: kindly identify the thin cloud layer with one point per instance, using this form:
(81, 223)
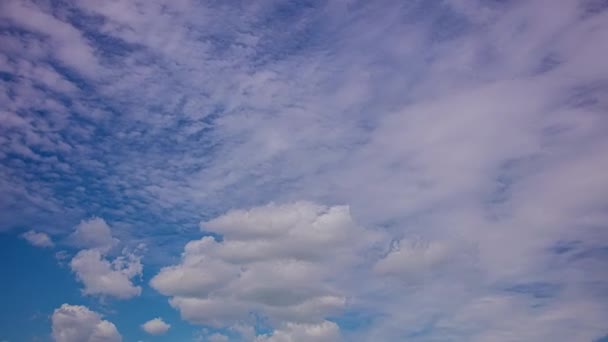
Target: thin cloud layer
(38, 239)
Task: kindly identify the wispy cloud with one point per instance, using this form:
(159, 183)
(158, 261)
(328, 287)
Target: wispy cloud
(38, 239)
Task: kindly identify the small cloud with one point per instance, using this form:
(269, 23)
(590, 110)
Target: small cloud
(62, 255)
(93, 233)
(72, 323)
(156, 326)
(104, 277)
(38, 239)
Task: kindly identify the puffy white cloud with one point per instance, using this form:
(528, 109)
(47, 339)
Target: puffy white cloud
(325, 331)
(102, 277)
(38, 239)
(76, 323)
(278, 261)
(93, 233)
(156, 326)
(99, 274)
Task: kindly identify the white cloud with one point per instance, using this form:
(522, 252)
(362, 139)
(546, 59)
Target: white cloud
(102, 277)
(419, 260)
(76, 323)
(156, 326)
(38, 239)
(93, 233)
(217, 337)
(277, 260)
(475, 127)
(99, 274)
(413, 258)
(325, 331)
(511, 318)
(67, 43)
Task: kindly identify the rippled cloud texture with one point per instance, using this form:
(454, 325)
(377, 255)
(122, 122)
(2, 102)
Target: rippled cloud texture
(304, 170)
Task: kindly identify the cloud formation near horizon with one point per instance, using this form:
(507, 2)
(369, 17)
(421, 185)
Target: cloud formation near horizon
(313, 170)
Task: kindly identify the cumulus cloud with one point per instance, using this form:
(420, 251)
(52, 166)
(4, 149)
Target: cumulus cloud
(99, 273)
(76, 323)
(156, 326)
(93, 233)
(278, 261)
(103, 277)
(325, 331)
(38, 239)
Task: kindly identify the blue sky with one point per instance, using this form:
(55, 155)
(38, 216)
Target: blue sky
(303, 170)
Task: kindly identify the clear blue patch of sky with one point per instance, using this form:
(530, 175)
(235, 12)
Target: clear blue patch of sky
(42, 286)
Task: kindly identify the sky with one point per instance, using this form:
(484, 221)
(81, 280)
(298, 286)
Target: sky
(285, 171)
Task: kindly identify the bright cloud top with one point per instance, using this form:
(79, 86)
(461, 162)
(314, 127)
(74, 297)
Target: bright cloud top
(76, 323)
(156, 326)
(93, 233)
(100, 274)
(276, 262)
(104, 277)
